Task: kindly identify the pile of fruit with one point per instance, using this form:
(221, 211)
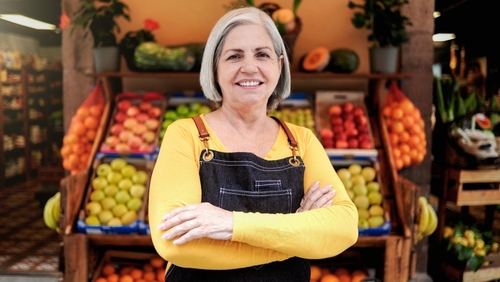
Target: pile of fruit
(78, 141)
(428, 220)
(134, 127)
(364, 190)
(185, 110)
(52, 212)
(349, 128)
(298, 116)
(340, 274)
(340, 60)
(154, 270)
(405, 127)
(469, 244)
(117, 194)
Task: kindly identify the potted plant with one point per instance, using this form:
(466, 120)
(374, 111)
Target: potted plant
(99, 17)
(388, 30)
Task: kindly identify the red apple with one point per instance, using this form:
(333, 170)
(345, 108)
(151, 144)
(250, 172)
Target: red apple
(145, 106)
(348, 116)
(334, 110)
(142, 117)
(122, 148)
(149, 136)
(152, 124)
(123, 105)
(347, 107)
(361, 120)
(134, 142)
(362, 129)
(139, 129)
(336, 120)
(364, 136)
(125, 135)
(130, 123)
(341, 144)
(111, 141)
(358, 112)
(366, 144)
(352, 143)
(116, 128)
(341, 136)
(326, 133)
(338, 129)
(154, 112)
(144, 147)
(328, 144)
(120, 117)
(351, 132)
(349, 124)
(132, 111)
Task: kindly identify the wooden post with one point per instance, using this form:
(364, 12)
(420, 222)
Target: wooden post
(75, 257)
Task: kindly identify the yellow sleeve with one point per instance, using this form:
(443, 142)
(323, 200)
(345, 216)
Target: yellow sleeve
(314, 234)
(175, 182)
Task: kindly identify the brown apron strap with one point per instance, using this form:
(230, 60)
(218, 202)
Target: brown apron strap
(291, 140)
(202, 131)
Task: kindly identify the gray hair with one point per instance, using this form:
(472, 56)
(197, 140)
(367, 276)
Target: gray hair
(211, 54)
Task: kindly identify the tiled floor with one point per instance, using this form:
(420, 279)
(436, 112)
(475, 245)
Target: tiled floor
(27, 246)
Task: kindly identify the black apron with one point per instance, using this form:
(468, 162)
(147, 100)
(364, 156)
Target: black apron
(247, 183)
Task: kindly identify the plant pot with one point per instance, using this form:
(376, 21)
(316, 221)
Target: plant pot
(383, 59)
(106, 59)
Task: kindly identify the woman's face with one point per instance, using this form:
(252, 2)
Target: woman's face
(248, 69)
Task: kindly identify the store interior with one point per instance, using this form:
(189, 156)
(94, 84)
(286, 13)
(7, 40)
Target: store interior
(30, 250)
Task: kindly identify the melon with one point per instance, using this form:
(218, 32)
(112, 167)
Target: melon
(316, 60)
(343, 60)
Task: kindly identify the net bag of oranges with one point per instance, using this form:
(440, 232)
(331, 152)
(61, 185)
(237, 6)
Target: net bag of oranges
(405, 127)
(79, 139)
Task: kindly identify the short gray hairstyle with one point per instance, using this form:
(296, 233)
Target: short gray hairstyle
(211, 54)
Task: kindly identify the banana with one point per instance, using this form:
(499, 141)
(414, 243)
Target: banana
(56, 208)
(424, 216)
(433, 221)
(47, 214)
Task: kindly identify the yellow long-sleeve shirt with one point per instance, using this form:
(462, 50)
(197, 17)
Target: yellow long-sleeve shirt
(257, 238)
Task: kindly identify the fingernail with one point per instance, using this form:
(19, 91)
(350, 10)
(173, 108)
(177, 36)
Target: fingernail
(160, 227)
(332, 192)
(329, 203)
(316, 184)
(327, 187)
(166, 236)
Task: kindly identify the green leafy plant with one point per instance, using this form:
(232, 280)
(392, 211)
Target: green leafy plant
(99, 16)
(384, 19)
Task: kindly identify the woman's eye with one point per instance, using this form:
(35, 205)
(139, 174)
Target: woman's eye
(235, 56)
(262, 55)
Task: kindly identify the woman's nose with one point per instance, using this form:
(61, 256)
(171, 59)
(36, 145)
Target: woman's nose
(249, 66)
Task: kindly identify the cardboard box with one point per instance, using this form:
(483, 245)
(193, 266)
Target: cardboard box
(133, 228)
(325, 99)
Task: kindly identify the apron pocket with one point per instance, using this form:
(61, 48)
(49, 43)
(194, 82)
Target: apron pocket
(263, 201)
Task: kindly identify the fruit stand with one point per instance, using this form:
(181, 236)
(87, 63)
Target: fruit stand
(398, 194)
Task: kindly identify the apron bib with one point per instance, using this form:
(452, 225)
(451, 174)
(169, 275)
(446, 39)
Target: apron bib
(247, 183)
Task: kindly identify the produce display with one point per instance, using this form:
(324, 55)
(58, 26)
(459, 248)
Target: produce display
(319, 59)
(298, 116)
(116, 195)
(339, 274)
(153, 56)
(348, 128)
(134, 126)
(183, 110)
(152, 269)
(364, 190)
(428, 220)
(52, 212)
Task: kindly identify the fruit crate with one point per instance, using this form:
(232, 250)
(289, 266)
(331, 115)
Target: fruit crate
(364, 148)
(128, 133)
(385, 228)
(140, 164)
(120, 260)
(297, 109)
(491, 272)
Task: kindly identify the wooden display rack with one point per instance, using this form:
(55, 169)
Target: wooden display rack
(399, 263)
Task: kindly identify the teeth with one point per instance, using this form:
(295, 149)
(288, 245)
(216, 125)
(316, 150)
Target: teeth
(249, 83)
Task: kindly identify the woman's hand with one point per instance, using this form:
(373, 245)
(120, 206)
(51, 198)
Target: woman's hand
(317, 197)
(197, 221)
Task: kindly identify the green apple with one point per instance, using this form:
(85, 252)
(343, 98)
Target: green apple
(363, 213)
(137, 190)
(99, 182)
(122, 197)
(355, 169)
(375, 210)
(92, 220)
(359, 190)
(128, 217)
(108, 203)
(351, 194)
(373, 186)
(110, 190)
(103, 169)
(128, 170)
(375, 198)
(134, 204)
(347, 183)
(119, 210)
(117, 164)
(140, 177)
(369, 173)
(114, 177)
(376, 221)
(125, 184)
(105, 216)
(170, 114)
(93, 208)
(204, 109)
(344, 174)
(358, 179)
(97, 195)
(115, 222)
(361, 202)
(363, 223)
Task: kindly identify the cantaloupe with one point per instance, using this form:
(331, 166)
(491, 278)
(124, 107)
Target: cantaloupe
(316, 60)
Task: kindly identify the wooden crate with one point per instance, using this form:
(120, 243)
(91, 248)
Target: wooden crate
(483, 274)
(456, 178)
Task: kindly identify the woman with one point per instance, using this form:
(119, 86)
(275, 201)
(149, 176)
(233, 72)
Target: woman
(227, 198)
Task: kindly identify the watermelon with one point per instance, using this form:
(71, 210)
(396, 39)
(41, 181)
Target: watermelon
(343, 60)
(151, 56)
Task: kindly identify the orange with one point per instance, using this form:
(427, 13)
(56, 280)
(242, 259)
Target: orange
(125, 270)
(325, 271)
(140, 280)
(149, 276)
(108, 269)
(344, 278)
(404, 148)
(397, 113)
(406, 106)
(113, 277)
(398, 163)
(82, 113)
(387, 111)
(91, 133)
(329, 278)
(96, 110)
(91, 122)
(78, 148)
(416, 114)
(160, 275)
(359, 272)
(315, 272)
(78, 128)
(73, 161)
(65, 165)
(406, 159)
(340, 271)
(414, 141)
(396, 152)
(397, 127)
(65, 151)
(101, 279)
(404, 137)
(136, 273)
(157, 262)
(415, 129)
(70, 138)
(126, 278)
(147, 267)
(393, 139)
(408, 121)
